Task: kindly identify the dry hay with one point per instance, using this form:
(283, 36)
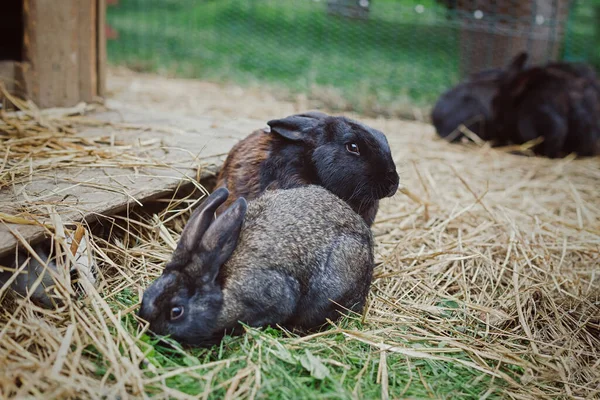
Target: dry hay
(37, 142)
(513, 245)
(486, 253)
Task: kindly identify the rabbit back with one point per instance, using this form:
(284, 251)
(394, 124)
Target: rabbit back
(584, 116)
(24, 283)
(294, 261)
(558, 102)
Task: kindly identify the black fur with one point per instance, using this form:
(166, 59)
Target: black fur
(190, 279)
(470, 103)
(317, 154)
(559, 102)
(201, 303)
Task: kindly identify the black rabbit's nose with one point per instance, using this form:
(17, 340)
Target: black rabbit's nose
(394, 181)
(393, 190)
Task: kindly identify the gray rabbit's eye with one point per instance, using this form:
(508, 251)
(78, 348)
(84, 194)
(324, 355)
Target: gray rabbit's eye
(176, 312)
(352, 148)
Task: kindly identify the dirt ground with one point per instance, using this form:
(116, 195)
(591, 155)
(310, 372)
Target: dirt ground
(193, 98)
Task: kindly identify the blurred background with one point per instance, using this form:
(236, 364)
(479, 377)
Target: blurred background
(375, 57)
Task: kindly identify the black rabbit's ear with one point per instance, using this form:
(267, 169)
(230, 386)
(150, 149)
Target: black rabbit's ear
(296, 127)
(526, 79)
(314, 114)
(198, 223)
(219, 242)
(518, 62)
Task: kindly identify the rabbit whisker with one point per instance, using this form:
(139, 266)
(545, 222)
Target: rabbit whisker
(356, 191)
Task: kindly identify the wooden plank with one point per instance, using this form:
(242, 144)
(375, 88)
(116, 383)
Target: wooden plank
(101, 47)
(11, 74)
(85, 194)
(87, 52)
(51, 46)
(30, 45)
(7, 74)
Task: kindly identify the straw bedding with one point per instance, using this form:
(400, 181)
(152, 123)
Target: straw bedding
(485, 252)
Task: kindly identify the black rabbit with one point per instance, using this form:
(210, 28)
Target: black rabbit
(559, 102)
(293, 257)
(348, 158)
(470, 102)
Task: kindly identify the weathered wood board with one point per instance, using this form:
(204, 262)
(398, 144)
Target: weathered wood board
(51, 46)
(64, 53)
(88, 50)
(101, 46)
(7, 74)
(188, 145)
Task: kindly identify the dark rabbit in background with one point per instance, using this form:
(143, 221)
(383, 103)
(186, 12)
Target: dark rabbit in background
(293, 257)
(348, 158)
(559, 102)
(470, 102)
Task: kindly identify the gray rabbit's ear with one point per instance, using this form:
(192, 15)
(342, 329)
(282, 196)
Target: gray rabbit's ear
(219, 241)
(296, 127)
(198, 223)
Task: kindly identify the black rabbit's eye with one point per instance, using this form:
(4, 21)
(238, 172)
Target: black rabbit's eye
(176, 312)
(352, 148)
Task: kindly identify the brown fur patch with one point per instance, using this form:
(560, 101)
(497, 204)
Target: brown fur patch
(241, 171)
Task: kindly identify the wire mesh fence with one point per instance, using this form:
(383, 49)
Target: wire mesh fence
(365, 54)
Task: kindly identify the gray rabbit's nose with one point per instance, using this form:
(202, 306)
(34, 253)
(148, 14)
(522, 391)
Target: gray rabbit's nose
(147, 309)
(159, 290)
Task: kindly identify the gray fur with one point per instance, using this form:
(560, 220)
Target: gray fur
(25, 282)
(302, 256)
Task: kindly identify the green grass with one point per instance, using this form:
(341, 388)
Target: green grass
(321, 369)
(395, 55)
(328, 366)
(584, 27)
(293, 44)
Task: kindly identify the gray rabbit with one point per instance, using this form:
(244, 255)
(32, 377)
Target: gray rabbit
(25, 282)
(38, 280)
(292, 257)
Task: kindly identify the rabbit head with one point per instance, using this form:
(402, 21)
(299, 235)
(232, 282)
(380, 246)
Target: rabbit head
(470, 103)
(186, 299)
(348, 158)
